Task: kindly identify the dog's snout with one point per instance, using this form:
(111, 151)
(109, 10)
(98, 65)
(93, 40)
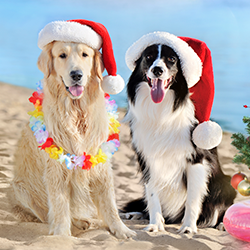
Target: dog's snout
(76, 75)
(157, 71)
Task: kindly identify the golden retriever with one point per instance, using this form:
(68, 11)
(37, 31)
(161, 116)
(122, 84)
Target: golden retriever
(77, 120)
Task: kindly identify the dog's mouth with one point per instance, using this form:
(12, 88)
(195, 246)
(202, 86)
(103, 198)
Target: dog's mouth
(75, 90)
(158, 88)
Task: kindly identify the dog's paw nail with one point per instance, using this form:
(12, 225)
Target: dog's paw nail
(187, 230)
(221, 227)
(154, 228)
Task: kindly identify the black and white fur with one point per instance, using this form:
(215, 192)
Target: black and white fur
(183, 183)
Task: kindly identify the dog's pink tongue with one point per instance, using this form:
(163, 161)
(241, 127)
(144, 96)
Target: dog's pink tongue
(76, 90)
(157, 90)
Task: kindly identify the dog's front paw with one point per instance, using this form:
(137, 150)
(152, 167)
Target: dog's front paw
(121, 231)
(154, 227)
(156, 223)
(60, 230)
(187, 229)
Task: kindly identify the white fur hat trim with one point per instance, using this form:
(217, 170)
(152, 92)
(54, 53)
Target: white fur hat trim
(207, 135)
(190, 62)
(69, 32)
(113, 84)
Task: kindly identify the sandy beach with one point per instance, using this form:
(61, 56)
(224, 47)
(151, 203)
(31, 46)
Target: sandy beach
(14, 234)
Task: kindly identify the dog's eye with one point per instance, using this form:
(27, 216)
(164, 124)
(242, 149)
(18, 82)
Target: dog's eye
(84, 54)
(148, 57)
(171, 59)
(63, 56)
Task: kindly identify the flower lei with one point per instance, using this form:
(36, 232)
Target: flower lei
(85, 161)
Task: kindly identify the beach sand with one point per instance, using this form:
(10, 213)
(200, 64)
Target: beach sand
(14, 234)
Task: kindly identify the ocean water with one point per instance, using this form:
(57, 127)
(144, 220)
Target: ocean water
(223, 24)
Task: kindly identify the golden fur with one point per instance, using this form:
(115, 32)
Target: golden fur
(44, 187)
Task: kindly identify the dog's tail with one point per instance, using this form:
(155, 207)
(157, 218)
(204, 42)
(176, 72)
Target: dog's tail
(138, 205)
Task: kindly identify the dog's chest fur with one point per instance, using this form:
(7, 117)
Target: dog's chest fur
(163, 138)
(75, 125)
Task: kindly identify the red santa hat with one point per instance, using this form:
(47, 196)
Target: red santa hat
(93, 34)
(196, 64)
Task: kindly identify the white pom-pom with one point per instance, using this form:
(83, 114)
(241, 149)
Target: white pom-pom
(113, 84)
(207, 135)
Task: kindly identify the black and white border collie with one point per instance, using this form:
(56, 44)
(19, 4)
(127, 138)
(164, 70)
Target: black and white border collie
(183, 183)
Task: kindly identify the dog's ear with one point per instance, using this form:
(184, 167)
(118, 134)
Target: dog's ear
(98, 65)
(45, 60)
(180, 85)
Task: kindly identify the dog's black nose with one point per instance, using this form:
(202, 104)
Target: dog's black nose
(76, 75)
(157, 71)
